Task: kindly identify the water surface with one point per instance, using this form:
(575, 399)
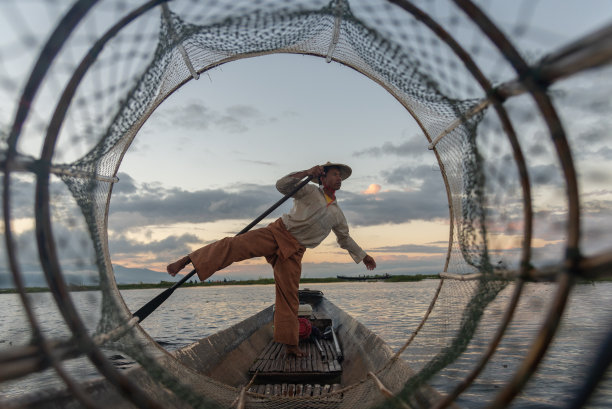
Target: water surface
(391, 310)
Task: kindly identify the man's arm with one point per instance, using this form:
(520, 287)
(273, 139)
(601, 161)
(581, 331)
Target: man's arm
(316, 171)
(346, 242)
(287, 183)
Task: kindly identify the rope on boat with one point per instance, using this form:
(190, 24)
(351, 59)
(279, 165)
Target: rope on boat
(386, 392)
(241, 398)
(239, 401)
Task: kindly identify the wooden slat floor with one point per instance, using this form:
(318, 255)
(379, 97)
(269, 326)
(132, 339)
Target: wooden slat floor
(294, 390)
(274, 362)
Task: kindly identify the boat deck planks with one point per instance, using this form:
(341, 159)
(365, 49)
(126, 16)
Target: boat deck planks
(296, 390)
(273, 362)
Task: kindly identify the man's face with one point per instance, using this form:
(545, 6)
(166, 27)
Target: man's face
(332, 179)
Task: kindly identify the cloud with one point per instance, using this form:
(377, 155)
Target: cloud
(126, 185)
(236, 117)
(550, 254)
(604, 152)
(422, 176)
(121, 244)
(413, 248)
(138, 205)
(410, 148)
(197, 116)
(423, 198)
(593, 134)
(192, 115)
(259, 162)
(546, 175)
(152, 204)
(153, 251)
(73, 246)
(394, 207)
(372, 189)
(22, 196)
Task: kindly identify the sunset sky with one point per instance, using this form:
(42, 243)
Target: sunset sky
(205, 163)
(215, 149)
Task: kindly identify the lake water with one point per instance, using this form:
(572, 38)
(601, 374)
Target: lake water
(391, 310)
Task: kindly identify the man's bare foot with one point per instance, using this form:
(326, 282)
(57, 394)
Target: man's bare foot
(294, 350)
(178, 265)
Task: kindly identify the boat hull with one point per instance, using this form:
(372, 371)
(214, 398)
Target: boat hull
(227, 355)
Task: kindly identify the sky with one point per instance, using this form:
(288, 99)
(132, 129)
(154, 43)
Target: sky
(236, 136)
(205, 163)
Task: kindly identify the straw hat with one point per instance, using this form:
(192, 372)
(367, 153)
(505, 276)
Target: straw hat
(345, 171)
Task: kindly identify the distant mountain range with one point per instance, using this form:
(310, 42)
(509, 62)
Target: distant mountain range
(123, 275)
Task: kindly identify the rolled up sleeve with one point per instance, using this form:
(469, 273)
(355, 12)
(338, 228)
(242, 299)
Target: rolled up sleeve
(287, 183)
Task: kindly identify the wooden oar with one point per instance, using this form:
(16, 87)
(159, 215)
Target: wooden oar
(318, 344)
(152, 305)
(337, 346)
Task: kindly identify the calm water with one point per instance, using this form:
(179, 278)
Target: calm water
(391, 310)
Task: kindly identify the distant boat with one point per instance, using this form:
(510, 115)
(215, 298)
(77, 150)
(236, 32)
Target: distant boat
(365, 278)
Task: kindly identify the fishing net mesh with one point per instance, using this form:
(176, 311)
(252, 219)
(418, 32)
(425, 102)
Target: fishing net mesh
(408, 48)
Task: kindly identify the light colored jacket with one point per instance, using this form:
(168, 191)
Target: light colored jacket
(311, 220)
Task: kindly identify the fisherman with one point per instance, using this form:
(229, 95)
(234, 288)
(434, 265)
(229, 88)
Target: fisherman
(314, 215)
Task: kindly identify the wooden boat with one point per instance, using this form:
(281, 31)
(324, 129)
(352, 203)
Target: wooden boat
(365, 278)
(243, 367)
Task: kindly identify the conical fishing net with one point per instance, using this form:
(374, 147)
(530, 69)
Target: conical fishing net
(500, 112)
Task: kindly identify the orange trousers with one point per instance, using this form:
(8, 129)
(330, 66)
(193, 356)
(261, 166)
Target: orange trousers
(281, 250)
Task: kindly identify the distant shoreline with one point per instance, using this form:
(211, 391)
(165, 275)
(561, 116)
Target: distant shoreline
(261, 281)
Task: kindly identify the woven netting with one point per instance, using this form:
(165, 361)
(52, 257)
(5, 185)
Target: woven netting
(164, 47)
(252, 32)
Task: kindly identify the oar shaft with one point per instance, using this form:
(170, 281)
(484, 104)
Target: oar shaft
(152, 305)
(275, 205)
(337, 346)
(182, 280)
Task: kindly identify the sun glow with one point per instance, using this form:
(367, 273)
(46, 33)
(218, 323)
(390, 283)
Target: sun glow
(372, 189)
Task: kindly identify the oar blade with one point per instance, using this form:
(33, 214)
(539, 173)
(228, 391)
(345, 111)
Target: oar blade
(149, 307)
